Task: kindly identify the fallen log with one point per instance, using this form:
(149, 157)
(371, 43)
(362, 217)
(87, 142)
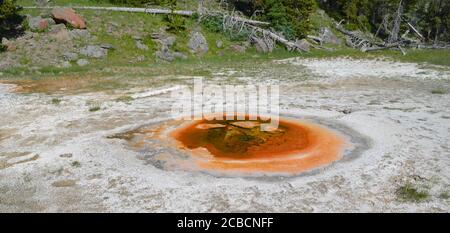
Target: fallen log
(315, 39)
(240, 19)
(230, 25)
(151, 11)
(402, 50)
(369, 49)
(288, 44)
(121, 9)
(423, 46)
(360, 39)
(415, 30)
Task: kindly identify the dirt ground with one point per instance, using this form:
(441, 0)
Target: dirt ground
(56, 154)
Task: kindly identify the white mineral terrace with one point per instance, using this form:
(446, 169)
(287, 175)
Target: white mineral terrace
(59, 157)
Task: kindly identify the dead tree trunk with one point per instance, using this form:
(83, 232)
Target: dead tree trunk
(393, 37)
(415, 30)
(288, 44)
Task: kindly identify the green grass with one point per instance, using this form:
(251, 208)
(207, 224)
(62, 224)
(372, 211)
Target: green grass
(56, 101)
(439, 91)
(433, 57)
(116, 72)
(75, 164)
(125, 99)
(94, 109)
(444, 195)
(408, 193)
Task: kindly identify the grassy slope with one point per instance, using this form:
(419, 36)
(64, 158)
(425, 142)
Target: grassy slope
(143, 24)
(183, 4)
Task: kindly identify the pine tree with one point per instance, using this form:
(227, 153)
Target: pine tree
(291, 17)
(10, 19)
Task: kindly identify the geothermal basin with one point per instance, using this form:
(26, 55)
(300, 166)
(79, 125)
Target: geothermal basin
(390, 124)
(241, 147)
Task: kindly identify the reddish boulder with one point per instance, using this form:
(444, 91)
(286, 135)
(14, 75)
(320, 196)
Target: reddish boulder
(68, 16)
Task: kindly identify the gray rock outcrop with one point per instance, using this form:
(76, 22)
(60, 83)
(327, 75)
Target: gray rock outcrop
(94, 51)
(82, 62)
(197, 43)
(327, 36)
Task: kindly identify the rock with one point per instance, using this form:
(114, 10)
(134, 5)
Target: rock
(346, 111)
(66, 155)
(164, 39)
(237, 48)
(197, 43)
(328, 36)
(261, 45)
(179, 55)
(60, 33)
(50, 21)
(65, 64)
(37, 23)
(303, 44)
(94, 51)
(28, 35)
(70, 56)
(140, 58)
(8, 45)
(80, 34)
(57, 28)
(82, 62)
(168, 41)
(68, 16)
(111, 28)
(165, 55)
(141, 45)
(219, 44)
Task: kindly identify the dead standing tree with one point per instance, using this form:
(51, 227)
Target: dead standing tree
(393, 37)
(388, 25)
(391, 25)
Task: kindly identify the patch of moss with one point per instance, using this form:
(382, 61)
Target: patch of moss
(409, 193)
(439, 91)
(125, 98)
(56, 101)
(444, 195)
(94, 109)
(75, 164)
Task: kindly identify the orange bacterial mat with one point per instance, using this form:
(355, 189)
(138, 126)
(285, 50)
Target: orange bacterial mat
(241, 146)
